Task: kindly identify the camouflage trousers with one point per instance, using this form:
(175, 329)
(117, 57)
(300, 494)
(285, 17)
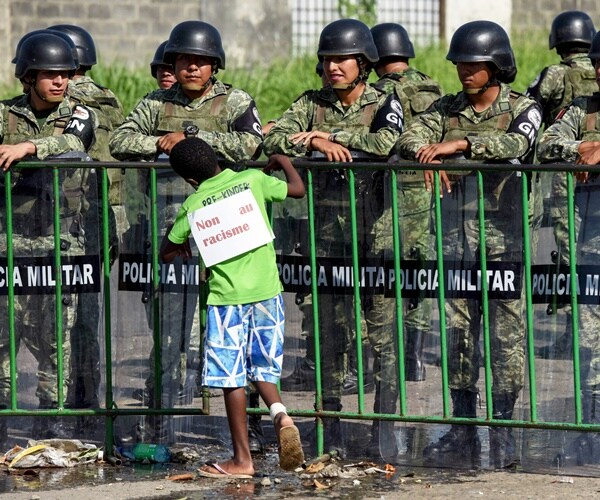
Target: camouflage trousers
(559, 214)
(461, 242)
(178, 312)
(35, 324)
(589, 314)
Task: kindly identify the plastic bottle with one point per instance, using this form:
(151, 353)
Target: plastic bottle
(153, 452)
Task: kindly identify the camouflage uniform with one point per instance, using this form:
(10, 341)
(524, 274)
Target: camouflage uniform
(227, 120)
(554, 88)
(560, 142)
(363, 126)
(416, 92)
(496, 135)
(33, 236)
(85, 348)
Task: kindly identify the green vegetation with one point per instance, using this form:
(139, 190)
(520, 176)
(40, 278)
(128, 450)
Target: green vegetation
(275, 87)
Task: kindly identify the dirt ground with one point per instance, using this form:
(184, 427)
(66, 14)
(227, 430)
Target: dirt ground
(404, 484)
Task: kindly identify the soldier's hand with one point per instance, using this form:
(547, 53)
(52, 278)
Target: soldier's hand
(167, 142)
(333, 151)
(589, 153)
(306, 137)
(444, 181)
(10, 153)
(430, 152)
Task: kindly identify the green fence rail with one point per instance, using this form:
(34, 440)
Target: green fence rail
(112, 411)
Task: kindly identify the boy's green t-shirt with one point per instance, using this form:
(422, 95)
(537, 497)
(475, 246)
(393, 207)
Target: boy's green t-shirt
(251, 276)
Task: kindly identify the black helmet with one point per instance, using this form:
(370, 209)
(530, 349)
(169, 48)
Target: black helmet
(195, 37)
(392, 40)
(86, 49)
(45, 30)
(594, 53)
(570, 27)
(482, 41)
(158, 59)
(45, 51)
(347, 37)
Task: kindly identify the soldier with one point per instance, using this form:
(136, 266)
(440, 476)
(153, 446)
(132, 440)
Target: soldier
(197, 105)
(575, 137)
(346, 118)
(85, 346)
(161, 71)
(554, 88)
(486, 122)
(416, 92)
(44, 123)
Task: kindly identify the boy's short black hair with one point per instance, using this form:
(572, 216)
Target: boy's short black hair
(194, 159)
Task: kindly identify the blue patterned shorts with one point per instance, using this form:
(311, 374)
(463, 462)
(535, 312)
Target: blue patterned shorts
(244, 343)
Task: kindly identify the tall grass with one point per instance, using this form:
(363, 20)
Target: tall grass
(276, 86)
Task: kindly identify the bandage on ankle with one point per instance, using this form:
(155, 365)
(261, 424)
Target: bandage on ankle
(275, 409)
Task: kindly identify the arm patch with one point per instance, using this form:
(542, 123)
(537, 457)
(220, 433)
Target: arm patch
(249, 121)
(81, 125)
(389, 115)
(527, 124)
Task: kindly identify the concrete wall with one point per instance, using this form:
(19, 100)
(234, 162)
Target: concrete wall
(459, 12)
(529, 14)
(130, 30)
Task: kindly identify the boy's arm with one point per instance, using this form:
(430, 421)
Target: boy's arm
(295, 186)
(170, 250)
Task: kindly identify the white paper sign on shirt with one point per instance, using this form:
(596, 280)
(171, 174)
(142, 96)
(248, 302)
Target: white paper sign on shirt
(229, 227)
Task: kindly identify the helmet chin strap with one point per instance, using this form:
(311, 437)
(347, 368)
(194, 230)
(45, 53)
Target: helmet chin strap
(52, 100)
(208, 83)
(479, 91)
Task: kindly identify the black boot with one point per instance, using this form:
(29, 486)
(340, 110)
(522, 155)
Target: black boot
(256, 436)
(414, 366)
(351, 382)
(332, 428)
(503, 452)
(383, 440)
(461, 444)
(585, 448)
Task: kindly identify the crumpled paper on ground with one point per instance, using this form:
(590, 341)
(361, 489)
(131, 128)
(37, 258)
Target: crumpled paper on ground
(51, 453)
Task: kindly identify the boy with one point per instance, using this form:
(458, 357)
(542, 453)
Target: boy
(245, 317)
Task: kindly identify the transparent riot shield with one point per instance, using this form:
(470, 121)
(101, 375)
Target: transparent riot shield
(481, 333)
(57, 274)
(157, 334)
(566, 345)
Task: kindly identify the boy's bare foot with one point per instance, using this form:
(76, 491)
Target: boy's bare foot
(227, 469)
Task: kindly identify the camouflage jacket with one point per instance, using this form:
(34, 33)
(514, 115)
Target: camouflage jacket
(18, 123)
(70, 128)
(227, 118)
(557, 85)
(416, 91)
(110, 113)
(578, 123)
(377, 137)
(506, 130)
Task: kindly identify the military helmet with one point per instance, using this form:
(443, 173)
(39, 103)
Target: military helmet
(392, 40)
(45, 30)
(158, 59)
(195, 37)
(86, 49)
(594, 53)
(481, 41)
(571, 26)
(45, 51)
(347, 37)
